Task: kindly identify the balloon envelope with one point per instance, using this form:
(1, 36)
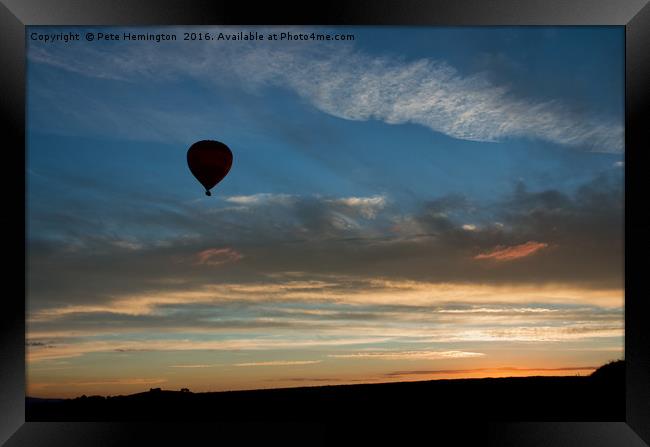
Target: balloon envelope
(209, 161)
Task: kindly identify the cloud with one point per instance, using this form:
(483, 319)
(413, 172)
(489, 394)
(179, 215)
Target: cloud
(367, 206)
(350, 296)
(307, 314)
(511, 253)
(76, 347)
(191, 366)
(410, 355)
(347, 83)
(280, 363)
(303, 278)
(309, 213)
(261, 199)
(434, 94)
(218, 256)
(499, 310)
(501, 369)
(577, 331)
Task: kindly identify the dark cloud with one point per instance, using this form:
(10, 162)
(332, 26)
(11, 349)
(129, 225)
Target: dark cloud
(88, 263)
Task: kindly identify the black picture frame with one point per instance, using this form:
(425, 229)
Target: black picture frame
(634, 15)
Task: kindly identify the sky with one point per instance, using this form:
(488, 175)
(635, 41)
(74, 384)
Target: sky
(414, 204)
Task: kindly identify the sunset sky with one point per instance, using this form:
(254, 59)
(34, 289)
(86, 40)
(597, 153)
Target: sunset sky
(418, 203)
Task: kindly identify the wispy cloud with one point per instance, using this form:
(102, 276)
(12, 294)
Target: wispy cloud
(84, 346)
(347, 83)
(511, 253)
(351, 291)
(261, 199)
(436, 95)
(280, 363)
(191, 366)
(367, 206)
(479, 370)
(499, 310)
(410, 355)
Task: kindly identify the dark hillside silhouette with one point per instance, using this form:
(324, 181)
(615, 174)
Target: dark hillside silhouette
(598, 397)
(610, 371)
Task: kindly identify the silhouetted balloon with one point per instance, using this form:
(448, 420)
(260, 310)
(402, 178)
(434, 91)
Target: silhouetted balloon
(209, 162)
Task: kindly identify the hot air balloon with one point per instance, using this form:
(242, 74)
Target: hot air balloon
(209, 161)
